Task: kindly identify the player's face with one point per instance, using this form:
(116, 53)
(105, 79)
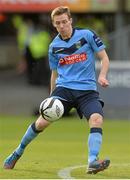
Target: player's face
(63, 24)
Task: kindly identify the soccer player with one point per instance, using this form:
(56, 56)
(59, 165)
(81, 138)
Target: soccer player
(72, 56)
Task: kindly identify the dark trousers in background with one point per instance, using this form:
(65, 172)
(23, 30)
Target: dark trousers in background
(38, 72)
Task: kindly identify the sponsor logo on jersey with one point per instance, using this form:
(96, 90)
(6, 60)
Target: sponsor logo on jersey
(72, 59)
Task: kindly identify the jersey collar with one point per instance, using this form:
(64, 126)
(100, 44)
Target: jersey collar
(68, 38)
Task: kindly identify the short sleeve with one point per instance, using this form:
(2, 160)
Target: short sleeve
(95, 41)
(53, 61)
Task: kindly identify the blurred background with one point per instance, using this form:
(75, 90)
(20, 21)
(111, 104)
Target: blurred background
(25, 34)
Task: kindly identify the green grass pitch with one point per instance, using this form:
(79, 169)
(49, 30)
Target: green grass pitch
(64, 145)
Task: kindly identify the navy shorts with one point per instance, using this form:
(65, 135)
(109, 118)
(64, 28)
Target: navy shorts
(86, 102)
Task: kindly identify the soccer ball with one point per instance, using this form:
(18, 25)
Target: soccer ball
(51, 109)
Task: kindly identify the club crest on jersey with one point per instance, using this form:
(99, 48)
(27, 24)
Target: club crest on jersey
(72, 59)
(78, 44)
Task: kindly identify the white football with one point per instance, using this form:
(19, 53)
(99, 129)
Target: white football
(51, 109)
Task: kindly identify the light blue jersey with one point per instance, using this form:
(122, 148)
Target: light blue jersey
(74, 59)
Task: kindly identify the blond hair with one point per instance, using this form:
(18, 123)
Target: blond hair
(59, 11)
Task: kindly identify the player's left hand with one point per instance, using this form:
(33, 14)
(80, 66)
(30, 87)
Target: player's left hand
(103, 81)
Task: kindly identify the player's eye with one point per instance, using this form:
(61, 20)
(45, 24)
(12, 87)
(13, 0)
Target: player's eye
(57, 23)
(64, 21)
(61, 22)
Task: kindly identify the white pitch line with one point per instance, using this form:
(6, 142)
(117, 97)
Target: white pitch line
(66, 172)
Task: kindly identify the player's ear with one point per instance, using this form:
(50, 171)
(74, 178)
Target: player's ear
(53, 23)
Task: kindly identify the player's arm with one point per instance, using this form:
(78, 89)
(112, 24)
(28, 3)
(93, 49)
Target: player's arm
(102, 79)
(53, 80)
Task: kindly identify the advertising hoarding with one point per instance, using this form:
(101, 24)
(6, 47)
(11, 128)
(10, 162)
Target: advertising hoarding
(104, 5)
(78, 6)
(42, 5)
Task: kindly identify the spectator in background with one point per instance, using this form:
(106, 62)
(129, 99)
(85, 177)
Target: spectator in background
(33, 42)
(36, 55)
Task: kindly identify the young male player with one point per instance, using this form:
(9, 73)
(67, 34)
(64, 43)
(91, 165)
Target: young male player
(72, 61)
